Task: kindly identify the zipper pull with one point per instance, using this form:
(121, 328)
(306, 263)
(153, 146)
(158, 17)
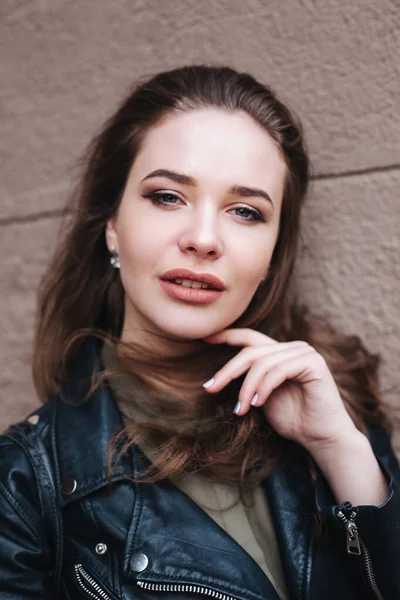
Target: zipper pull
(352, 537)
(353, 540)
(355, 544)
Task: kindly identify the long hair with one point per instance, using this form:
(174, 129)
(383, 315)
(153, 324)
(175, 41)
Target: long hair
(81, 293)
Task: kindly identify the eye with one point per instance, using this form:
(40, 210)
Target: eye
(245, 210)
(162, 198)
(170, 199)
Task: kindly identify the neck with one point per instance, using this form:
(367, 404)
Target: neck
(173, 367)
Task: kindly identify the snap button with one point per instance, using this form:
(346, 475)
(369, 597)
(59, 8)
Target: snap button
(69, 486)
(101, 548)
(139, 562)
(33, 419)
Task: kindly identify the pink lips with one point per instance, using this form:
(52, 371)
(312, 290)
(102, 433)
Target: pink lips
(192, 295)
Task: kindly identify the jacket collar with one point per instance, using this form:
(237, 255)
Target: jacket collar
(83, 428)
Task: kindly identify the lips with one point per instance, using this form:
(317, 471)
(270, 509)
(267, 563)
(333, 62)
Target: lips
(206, 278)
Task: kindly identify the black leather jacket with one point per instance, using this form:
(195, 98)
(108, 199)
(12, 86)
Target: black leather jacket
(65, 533)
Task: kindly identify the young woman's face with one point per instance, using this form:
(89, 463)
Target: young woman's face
(202, 224)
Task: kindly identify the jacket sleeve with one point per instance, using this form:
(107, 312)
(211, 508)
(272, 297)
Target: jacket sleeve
(378, 527)
(26, 569)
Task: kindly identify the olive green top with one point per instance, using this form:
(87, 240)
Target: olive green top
(249, 524)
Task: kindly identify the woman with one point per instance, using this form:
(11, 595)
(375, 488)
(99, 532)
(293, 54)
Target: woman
(200, 434)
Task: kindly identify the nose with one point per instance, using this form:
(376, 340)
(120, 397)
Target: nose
(201, 236)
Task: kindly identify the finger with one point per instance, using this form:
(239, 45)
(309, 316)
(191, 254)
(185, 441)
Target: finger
(298, 369)
(242, 362)
(254, 391)
(239, 337)
(252, 388)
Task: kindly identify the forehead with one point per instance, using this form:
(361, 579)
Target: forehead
(216, 146)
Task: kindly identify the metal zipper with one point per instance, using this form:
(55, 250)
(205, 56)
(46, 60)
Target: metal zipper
(356, 546)
(175, 587)
(84, 579)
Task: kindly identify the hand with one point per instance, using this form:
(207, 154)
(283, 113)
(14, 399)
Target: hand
(292, 384)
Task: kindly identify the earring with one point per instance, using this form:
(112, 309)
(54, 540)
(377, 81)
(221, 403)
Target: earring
(114, 260)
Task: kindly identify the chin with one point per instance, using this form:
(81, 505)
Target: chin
(187, 333)
(191, 330)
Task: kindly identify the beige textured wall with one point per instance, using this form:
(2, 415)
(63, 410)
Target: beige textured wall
(64, 67)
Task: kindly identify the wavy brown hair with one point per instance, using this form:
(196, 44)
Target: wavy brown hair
(82, 294)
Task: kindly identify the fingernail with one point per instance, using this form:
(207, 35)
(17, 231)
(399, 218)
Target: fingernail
(254, 400)
(208, 383)
(237, 408)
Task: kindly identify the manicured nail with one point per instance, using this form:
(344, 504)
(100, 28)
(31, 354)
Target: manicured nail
(237, 408)
(254, 400)
(208, 383)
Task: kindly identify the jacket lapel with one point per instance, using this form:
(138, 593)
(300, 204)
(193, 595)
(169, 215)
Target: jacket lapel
(185, 546)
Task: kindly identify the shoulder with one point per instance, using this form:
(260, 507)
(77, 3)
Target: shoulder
(30, 523)
(64, 441)
(23, 483)
(19, 452)
(18, 441)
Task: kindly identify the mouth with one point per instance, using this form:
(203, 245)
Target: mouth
(191, 279)
(190, 287)
(188, 283)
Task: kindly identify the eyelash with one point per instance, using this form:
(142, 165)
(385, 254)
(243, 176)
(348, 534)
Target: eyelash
(156, 198)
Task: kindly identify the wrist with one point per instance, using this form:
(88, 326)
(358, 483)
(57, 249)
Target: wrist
(347, 441)
(351, 469)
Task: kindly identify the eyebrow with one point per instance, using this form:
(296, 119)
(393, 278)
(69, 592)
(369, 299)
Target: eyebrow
(236, 190)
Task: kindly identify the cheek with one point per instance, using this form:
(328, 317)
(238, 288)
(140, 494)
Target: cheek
(137, 241)
(252, 264)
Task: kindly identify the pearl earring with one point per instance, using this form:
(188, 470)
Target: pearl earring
(114, 260)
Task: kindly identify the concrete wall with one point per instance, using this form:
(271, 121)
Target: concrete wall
(64, 67)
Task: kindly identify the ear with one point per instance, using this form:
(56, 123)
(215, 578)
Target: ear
(111, 235)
